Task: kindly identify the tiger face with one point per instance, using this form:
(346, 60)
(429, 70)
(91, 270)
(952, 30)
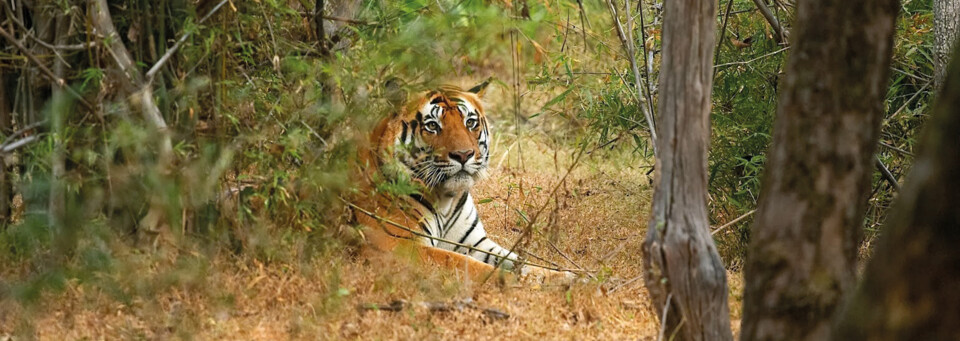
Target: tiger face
(443, 139)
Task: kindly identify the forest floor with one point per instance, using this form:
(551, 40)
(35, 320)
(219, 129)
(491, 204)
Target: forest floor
(600, 226)
(594, 214)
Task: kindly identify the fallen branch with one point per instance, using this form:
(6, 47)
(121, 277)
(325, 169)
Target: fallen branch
(730, 223)
(435, 307)
(621, 285)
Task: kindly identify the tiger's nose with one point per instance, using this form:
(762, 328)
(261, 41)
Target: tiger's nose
(461, 156)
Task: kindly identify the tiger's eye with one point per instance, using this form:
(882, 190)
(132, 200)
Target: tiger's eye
(472, 123)
(432, 127)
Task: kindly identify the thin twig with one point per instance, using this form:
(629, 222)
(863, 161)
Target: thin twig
(752, 60)
(44, 70)
(527, 231)
(628, 48)
(905, 104)
(781, 34)
(886, 173)
(723, 32)
(7, 148)
(350, 21)
(733, 222)
(469, 247)
(901, 151)
(628, 282)
(173, 49)
(663, 317)
(30, 127)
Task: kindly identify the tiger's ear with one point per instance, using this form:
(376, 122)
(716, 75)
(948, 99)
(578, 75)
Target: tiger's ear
(481, 88)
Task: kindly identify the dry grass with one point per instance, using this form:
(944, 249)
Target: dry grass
(596, 218)
(599, 226)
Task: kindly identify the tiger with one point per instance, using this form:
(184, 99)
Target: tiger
(440, 140)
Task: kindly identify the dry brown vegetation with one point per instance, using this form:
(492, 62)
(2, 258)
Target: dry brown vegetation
(600, 226)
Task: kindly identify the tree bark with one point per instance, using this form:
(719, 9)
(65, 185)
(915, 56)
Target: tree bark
(318, 10)
(946, 19)
(681, 263)
(6, 111)
(909, 289)
(803, 251)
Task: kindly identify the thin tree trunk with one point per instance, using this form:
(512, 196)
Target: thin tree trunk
(946, 21)
(5, 128)
(57, 203)
(909, 289)
(681, 263)
(318, 27)
(803, 251)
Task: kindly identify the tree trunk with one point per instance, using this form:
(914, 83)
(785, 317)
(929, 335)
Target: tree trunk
(803, 251)
(946, 19)
(57, 203)
(683, 268)
(5, 125)
(909, 289)
(318, 10)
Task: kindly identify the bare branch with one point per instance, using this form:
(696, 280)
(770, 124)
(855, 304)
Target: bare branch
(141, 92)
(173, 49)
(901, 151)
(752, 60)
(424, 235)
(734, 221)
(631, 57)
(60, 82)
(6, 148)
(781, 34)
(886, 174)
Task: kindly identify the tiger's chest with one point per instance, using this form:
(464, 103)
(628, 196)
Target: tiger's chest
(446, 218)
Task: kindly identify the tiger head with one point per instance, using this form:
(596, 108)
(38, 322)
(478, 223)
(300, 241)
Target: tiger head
(444, 138)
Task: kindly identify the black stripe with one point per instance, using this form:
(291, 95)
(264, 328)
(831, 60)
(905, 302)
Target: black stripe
(403, 134)
(469, 231)
(495, 260)
(480, 241)
(458, 210)
(419, 198)
(436, 100)
(424, 227)
(419, 116)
